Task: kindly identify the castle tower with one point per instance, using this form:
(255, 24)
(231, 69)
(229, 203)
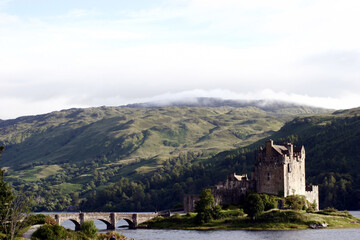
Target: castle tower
(280, 169)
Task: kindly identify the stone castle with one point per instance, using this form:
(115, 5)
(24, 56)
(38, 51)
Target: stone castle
(278, 170)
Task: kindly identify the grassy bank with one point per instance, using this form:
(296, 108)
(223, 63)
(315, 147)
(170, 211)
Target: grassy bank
(271, 220)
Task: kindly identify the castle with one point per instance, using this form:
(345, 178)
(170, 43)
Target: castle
(278, 170)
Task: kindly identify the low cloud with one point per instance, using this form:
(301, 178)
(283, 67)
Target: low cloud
(15, 107)
(343, 101)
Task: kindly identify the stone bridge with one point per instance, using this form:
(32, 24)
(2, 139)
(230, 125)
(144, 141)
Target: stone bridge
(109, 218)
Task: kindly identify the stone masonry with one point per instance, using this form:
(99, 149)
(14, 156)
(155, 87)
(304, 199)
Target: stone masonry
(278, 170)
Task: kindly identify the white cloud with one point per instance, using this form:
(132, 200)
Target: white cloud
(307, 48)
(343, 101)
(15, 107)
(77, 13)
(7, 19)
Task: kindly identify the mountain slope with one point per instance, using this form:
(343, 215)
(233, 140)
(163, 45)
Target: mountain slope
(83, 151)
(332, 154)
(78, 135)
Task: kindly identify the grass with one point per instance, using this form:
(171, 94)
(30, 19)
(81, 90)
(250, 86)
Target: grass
(48, 170)
(37, 172)
(271, 220)
(83, 134)
(67, 188)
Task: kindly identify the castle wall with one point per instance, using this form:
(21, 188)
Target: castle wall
(232, 191)
(269, 177)
(189, 202)
(312, 195)
(294, 176)
(280, 168)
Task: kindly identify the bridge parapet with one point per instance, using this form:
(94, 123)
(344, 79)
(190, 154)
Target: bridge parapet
(109, 218)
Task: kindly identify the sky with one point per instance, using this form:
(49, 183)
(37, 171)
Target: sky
(59, 54)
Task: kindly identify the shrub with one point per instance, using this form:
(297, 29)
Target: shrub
(254, 205)
(175, 218)
(269, 202)
(176, 215)
(89, 228)
(34, 219)
(50, 232)
(108, 235)
(233, 213)
(217, 212)
(330, 210)
(281, 217)
(311, 207)
(296, 202)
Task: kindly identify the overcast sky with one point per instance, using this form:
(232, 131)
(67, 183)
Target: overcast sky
(57, 54)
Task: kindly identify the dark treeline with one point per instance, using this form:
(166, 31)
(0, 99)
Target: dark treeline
(332, 156)
(164, 189)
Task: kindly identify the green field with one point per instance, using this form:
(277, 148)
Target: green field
(271, 220)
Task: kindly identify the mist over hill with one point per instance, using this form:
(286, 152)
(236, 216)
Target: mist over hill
(274, 106)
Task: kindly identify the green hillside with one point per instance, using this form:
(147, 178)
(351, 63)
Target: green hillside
(72, 155)
(332, 154)
(116, 134)
(332, 162)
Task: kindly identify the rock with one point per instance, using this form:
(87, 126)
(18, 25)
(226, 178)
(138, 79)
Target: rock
(318, 226)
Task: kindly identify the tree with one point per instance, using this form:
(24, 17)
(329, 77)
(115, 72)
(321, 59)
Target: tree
(15, 215)
(205, 206)
(254, 205)
(6, 196)
(12, 207)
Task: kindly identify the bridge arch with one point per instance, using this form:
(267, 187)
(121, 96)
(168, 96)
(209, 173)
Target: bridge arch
(107, 223)
(128, 221)
(106, 218)
(75, 222)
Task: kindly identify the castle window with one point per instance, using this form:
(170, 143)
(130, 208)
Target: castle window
(268, 176)
(289, 167)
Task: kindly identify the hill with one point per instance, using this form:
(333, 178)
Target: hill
(133, 133)
(118, 134)
(333, 155)
(332, 162)
(66, 156)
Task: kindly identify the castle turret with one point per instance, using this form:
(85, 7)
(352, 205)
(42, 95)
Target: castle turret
(269, 146)
(290, 149)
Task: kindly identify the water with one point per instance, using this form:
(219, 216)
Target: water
(323, 234)
(355, 213)
(155, 234)
(309, 234)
